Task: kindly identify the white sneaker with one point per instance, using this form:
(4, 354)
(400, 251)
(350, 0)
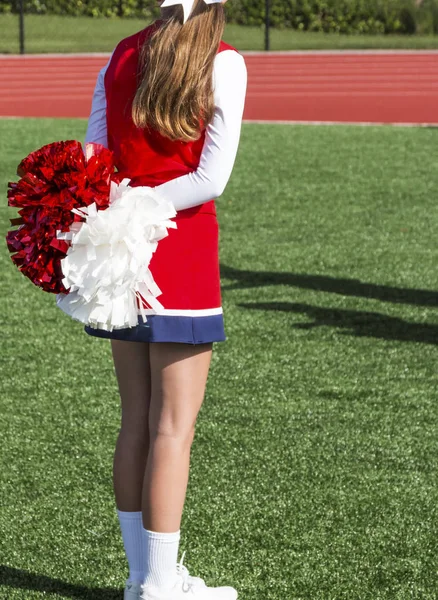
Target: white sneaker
(187, 587)
(132, 591)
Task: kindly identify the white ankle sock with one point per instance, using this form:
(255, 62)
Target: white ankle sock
(161, 553)
(131, 525)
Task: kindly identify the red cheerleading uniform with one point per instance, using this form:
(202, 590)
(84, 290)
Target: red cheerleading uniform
(185, 265)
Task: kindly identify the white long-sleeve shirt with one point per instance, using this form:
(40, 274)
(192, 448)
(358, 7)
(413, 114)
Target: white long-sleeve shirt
(222, 135)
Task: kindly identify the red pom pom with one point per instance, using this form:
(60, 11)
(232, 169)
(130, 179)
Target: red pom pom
(54, 179)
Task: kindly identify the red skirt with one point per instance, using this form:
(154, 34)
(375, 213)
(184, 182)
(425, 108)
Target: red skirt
(185, 267)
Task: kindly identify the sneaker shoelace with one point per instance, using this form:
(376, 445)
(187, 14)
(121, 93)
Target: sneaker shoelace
(188, 580)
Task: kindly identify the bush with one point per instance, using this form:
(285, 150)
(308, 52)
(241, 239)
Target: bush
(427, 18)
(91, 8)
(341, 16)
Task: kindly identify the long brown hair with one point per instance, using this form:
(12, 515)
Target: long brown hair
(175, 92)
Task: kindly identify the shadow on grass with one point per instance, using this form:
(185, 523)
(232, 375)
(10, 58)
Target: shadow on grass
(323, 283)
(358, 323)
(19, 579)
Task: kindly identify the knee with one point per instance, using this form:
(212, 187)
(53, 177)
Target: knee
(178, 438)
(136, 430)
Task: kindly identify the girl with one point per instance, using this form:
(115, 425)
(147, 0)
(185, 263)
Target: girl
(169, 104)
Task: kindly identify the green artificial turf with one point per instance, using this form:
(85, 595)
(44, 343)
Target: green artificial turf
(49, 33)
(314, 465)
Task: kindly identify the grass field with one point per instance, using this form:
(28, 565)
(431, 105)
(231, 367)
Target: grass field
(82, 34)
(314, 464)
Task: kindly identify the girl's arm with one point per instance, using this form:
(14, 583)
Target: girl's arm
(96, 130)
(222, 135)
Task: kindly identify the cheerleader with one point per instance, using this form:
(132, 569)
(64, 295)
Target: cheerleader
(169, 104)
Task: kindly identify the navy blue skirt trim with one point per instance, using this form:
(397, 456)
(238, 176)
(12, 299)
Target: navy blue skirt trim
(163, 328)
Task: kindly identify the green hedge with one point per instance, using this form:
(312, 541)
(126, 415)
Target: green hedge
(343, 16)
(91, 8)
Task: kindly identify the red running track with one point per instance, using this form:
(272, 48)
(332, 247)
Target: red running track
(374, 87)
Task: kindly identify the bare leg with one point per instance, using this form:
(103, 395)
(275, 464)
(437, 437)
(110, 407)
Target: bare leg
(179, 375)
(131, 361)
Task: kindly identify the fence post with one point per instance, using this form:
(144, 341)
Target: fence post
(21, 17)
(267, 23)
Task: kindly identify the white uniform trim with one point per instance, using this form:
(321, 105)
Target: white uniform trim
(222, 135)
(178, 312)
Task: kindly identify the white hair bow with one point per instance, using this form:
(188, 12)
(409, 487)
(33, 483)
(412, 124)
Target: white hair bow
(187, 5)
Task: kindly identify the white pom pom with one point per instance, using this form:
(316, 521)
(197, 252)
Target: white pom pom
(107, 265)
